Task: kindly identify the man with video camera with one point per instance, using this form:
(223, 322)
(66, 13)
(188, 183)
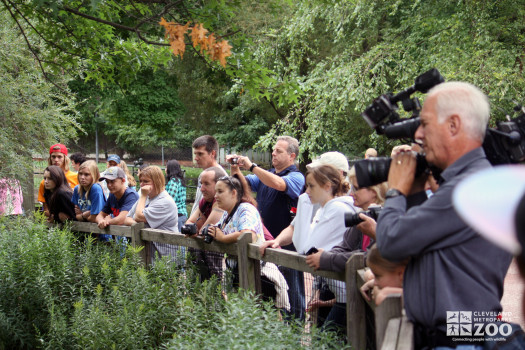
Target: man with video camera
(452, 268)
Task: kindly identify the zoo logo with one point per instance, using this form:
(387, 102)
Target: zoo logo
(460, 323)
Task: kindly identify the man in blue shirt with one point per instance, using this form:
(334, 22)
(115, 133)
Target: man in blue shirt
(278, 188)
(120, 200)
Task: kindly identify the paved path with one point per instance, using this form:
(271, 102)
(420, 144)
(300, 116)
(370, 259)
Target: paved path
(513, 294)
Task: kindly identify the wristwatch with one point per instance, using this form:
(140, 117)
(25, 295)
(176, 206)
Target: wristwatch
(391, 193)
(253, 166)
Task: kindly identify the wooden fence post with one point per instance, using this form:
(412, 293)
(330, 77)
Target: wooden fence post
(28, 191)
(246, 265)
(136, 241)
(355, 305)
(388, 309)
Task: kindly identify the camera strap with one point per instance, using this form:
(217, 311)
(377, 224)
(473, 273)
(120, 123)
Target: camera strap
(230, 216)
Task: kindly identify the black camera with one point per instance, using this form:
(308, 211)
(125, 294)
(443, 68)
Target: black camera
(311, 251)
(354, 219)
(506, 143)
(235, 160)
(204, 232)
(137, 163)
(373, 171)
(503, 145)
(382, 113)
(189, 229)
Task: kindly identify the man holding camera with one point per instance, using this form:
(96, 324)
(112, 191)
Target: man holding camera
(207, 212)
(452, 268)
(278, 190)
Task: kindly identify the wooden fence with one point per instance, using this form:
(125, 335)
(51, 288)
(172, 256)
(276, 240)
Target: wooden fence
(393, 331)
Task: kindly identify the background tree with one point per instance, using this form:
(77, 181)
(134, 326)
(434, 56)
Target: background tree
(313, 65)
(33, 113)
(348, 53)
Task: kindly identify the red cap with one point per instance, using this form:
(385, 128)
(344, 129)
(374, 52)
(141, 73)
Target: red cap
(58, 148)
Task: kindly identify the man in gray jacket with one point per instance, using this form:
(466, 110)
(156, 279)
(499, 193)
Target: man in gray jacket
(453, 270)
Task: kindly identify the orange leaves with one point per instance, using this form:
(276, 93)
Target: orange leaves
(175, 33)
(217, 50)
(220, 51)
(198, 36)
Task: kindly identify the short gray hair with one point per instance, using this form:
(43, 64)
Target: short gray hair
(293, 144)
(465, 100)
(218, 172)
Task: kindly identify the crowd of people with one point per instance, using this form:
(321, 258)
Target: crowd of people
(419, 245)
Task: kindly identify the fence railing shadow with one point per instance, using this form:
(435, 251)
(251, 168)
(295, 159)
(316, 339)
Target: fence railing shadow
(392, 329)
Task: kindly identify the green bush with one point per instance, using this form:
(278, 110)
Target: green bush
(58, 293)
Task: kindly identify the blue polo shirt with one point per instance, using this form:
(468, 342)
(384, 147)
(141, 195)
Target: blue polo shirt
(274, 205)
(114, 206)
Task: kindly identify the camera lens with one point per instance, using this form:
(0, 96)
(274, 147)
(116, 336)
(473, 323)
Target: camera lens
(352, 219)
(372, 171)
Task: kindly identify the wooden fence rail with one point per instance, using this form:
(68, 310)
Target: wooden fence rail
(392, 330)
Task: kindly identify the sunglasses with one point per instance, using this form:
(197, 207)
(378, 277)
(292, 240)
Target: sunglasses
(354, 189)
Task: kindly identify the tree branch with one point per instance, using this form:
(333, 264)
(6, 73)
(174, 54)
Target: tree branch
(40, 35)
(114, 25)
(31, 47)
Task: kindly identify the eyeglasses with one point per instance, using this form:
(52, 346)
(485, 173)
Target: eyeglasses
(354, 189)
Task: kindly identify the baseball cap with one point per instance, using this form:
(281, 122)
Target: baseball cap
(58, 147)
(112, 173)
(114, 157)
(492, 202)
(336, 159)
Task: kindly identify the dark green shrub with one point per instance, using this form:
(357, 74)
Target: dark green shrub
(58, 293)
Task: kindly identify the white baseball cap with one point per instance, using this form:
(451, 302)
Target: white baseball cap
(336, 159)
(492, 202)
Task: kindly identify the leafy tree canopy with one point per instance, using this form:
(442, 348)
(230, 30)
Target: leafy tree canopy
(348, 53)
(34, 114)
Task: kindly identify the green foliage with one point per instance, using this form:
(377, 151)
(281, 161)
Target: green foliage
(58, 293)
(348, 53)
(34, 113)
(148, 112)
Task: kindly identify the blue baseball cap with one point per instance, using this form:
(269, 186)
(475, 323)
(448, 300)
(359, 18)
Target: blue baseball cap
(114, 157)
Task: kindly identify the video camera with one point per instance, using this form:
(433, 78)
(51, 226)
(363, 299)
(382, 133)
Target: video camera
(503, 145)
(382, 113)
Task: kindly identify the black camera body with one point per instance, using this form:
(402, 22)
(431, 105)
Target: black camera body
(235, 160)
(354, 219)
(204, 232)
(506, 143)
(189, 229)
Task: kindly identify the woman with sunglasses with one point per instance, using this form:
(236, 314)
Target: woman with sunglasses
(241, 215)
